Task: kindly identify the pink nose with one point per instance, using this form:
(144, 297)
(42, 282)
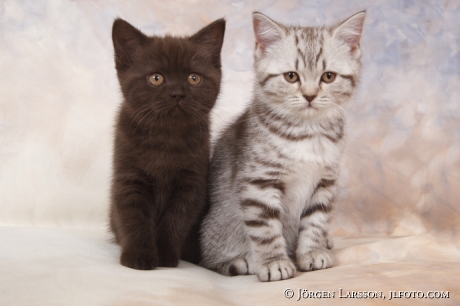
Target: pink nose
(309, 98)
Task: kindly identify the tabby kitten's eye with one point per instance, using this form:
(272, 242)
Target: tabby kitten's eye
(194, 79)
(291, 77)
(156, 79)
(328, 77)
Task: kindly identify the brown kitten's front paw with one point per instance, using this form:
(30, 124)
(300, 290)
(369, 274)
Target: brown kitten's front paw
(168, 257)
(139, 259)
(276, 270)
(316, 260)
(170, 261)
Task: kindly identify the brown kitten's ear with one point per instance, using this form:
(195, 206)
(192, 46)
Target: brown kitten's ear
(266, 31)
(126, 39)
(210, 39)
(350, 30)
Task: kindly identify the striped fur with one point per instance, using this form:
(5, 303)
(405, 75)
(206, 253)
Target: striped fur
(274, 170)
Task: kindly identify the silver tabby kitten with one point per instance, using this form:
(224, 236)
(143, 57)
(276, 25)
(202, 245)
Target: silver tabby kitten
(273, 173)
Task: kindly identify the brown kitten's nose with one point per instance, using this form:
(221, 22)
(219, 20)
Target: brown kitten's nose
(177, 95)
(309, 98)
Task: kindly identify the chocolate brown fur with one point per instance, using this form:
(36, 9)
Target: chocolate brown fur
(161, 148)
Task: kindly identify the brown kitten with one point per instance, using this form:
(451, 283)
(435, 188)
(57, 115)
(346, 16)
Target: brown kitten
(161, 148)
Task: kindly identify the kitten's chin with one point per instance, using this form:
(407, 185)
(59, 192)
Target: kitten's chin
(180, 113)
(309, 111)
(321, 112)
(177, 111)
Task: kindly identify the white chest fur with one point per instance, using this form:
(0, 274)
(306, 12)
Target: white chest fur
(308, 161)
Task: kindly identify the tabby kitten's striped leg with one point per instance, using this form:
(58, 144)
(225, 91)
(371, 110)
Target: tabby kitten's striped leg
(314, 241)
(261, 205)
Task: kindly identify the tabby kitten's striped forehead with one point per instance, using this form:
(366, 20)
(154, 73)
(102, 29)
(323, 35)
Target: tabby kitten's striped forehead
(309, 71)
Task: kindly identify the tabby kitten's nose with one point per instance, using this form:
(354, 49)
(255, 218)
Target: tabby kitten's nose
(309, 98)
(177, 95)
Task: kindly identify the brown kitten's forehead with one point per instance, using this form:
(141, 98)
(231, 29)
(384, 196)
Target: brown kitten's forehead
(171, 54)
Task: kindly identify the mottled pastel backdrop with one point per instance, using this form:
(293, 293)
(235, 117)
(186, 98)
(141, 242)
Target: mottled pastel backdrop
(59, 95)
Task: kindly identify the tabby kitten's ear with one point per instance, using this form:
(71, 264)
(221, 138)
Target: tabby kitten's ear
(349, 32)
(267, 32)
(126, 39)
(210, 39)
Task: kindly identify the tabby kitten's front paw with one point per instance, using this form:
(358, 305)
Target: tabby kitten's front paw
(276, 270)
(316, 260)
(139, 259)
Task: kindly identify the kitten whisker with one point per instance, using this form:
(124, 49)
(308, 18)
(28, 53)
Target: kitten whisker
(133, 120)
(142, 119)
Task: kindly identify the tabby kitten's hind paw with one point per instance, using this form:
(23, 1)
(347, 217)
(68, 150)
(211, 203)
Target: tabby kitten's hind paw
(238, 266)
(329, 242)
(276, 270)
(139, 259)
(316, 260)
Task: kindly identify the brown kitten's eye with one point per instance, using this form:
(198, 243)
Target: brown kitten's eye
(156, 79)
(291, 77)
(328, 77)
(194, 79)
